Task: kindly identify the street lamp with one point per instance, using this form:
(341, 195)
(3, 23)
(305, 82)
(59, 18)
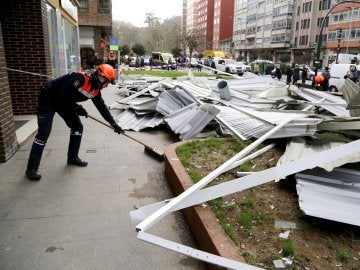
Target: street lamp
(349, 35)
(338, 45)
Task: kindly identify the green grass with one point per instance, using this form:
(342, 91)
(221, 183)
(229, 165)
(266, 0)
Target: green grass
(288, 248)
(246, 219)
(247, 202)
(219, 210)
(343, 256)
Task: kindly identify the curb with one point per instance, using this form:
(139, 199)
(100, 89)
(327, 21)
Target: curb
(203, 224)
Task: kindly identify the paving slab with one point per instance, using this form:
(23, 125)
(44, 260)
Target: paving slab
(78, 218)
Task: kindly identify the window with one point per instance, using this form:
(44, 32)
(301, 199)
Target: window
(305, 24)
(304, 40)
(84, 6)
(104, 6)
(325, 4)
(306, 7)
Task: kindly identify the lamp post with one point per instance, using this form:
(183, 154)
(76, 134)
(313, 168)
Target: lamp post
(338, 45)
(349, 35)
(319, 41)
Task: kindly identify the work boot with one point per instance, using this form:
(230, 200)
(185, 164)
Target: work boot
(77, 162)
(32, 174)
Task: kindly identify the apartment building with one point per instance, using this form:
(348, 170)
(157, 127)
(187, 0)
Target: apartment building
(223, 24)
(212, 20)
(262, 27)
(343, 31)
(95, 26)
(205, 22)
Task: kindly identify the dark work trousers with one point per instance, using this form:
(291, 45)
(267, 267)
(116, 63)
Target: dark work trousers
(46, 111)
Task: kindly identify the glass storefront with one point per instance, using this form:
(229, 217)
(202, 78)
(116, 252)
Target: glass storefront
(64, 45)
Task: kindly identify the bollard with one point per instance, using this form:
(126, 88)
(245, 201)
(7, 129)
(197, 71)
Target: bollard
(224, 90)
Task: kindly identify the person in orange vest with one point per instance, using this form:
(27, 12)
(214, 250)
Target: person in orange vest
(61, 96)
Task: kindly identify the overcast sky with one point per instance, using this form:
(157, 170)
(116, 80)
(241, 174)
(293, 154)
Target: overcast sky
(134, 11)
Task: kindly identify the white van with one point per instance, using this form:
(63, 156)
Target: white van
(337, 72)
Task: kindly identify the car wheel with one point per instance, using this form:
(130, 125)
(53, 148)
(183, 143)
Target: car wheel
(240, 74)
(227, 70)
(333, 89)
(311, 78)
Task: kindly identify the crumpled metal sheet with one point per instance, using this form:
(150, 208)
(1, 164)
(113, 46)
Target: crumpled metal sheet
(190, 120)
(331, 195)
(173, 100)
(326, 98)
(300, 147)
(129, 120)
(252, 123)
(351, 92)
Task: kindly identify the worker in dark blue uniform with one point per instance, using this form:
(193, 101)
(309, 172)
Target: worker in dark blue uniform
(61, 96)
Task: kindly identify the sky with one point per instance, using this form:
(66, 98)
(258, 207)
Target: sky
(133, 11)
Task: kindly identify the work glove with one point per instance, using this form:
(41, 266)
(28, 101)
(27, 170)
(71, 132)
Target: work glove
(117, 128)
(81, 111)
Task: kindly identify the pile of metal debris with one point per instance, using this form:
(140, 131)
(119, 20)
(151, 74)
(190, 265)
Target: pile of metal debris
(321, 130)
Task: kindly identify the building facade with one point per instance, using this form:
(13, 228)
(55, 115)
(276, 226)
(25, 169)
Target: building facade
(277, 28)
(343, 31)
(205, 22)
(95, 26)
(262, 27)
(223, 25)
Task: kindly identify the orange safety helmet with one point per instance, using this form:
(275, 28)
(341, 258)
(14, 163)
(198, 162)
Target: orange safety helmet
(319, 79)
(107, 71)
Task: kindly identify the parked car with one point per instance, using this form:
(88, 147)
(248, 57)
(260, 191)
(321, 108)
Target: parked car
(228, 66)
(310, 73)
(244, 66)
(147, 60)
(193, 62)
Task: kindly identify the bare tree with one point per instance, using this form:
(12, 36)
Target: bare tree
(194, 40)
(151, 20)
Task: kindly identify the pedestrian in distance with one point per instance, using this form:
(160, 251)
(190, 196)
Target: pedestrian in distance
(353, 74)
(296, 74)
(326, 74)
(304, 74)
(199, 66)
(96, 61)
(278, 73)
(61, 96)
(289, 74)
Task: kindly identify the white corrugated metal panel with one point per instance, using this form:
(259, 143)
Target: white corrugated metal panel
(189, 121)
(330, 195)
(252, 123)
(326, 98)
(174, 99)
(297, 148)
(129, 120)
(351, 92)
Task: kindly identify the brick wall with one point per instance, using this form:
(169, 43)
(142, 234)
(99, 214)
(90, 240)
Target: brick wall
(8, 144)
(93, 18)
(25, 37)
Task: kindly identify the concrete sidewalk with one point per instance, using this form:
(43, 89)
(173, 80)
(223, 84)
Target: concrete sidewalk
(78, 218)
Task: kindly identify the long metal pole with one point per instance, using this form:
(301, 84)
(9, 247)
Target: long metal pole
(318, 44)
(338, 46)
